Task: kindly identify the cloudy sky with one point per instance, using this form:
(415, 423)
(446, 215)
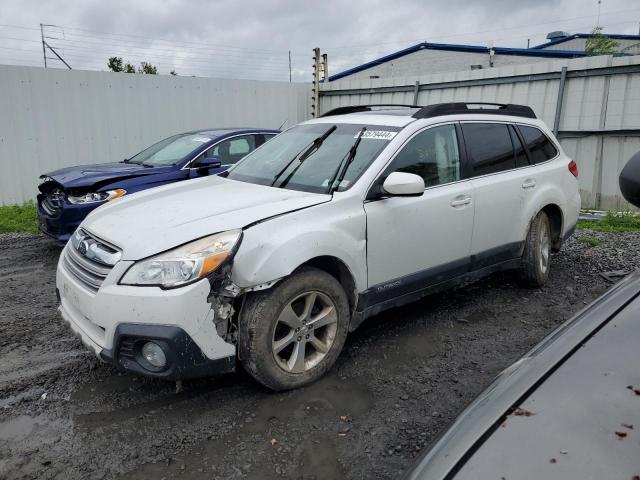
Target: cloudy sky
(252, 39)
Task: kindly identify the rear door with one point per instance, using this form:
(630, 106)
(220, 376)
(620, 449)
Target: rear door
(414, 242)
(494, 160)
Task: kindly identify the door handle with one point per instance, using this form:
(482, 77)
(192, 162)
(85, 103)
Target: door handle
(529, 183)
(460, 201)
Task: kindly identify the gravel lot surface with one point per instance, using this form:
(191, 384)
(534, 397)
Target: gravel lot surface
(402, 377)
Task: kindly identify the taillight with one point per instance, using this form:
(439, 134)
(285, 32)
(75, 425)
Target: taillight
(573, 168)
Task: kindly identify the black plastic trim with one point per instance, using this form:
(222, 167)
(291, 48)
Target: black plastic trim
(456, 108)
(184, 358)
(410, 288)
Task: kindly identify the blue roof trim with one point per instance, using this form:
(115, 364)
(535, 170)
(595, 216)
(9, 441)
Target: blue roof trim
(614, 36)
(459, 48)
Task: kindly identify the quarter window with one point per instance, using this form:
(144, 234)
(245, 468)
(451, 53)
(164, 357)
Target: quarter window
(489, 147)
(540, 147)
(433, 154)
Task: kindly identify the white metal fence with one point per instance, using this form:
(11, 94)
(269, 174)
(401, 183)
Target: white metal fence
(55, 118)
(592, 103)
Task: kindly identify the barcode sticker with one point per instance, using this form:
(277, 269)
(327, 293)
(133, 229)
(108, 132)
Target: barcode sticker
(377, 135)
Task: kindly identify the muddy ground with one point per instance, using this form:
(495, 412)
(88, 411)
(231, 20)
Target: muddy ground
(402, 377)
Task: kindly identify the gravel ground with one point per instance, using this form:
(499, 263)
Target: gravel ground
(403, 376)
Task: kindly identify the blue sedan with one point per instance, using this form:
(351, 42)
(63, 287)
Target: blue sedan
(68, 195)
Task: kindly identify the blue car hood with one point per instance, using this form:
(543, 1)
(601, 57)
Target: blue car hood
(100, 174)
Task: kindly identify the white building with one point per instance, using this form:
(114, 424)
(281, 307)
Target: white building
(427, 58)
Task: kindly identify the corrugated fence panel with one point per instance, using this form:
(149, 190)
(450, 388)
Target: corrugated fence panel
(55, 118)
(600, 113)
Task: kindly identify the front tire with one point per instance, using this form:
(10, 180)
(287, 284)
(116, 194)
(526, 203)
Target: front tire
(536, 257)
(292, 334)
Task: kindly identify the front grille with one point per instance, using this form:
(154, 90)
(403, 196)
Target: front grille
(88, 271)
(52, 202)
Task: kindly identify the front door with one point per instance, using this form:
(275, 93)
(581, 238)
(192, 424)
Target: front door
(414, 242)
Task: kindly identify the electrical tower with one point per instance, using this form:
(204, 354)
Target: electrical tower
(46, 45)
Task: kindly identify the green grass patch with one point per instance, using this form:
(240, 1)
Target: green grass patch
(614, 222)
(19, 218)
(591, 241)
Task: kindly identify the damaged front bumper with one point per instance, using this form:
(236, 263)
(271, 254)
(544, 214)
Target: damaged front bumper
(184, 358)
(115, 321)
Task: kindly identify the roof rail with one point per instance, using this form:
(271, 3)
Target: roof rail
(363, 108)
(463, 107)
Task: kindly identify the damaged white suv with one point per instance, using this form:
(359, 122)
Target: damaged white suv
(332, 221)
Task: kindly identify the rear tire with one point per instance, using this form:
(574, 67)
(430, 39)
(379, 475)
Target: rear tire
(536, 258)
(292, 334)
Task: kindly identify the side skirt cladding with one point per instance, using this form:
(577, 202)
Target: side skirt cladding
(412, 288)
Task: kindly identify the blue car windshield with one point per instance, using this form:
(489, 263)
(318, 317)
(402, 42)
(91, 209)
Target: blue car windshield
(170, 150)
(289, 160)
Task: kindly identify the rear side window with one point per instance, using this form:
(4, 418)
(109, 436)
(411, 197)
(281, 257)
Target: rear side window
(540, 147)
(489, 147)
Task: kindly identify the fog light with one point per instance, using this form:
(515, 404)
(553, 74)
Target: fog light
(153, 354)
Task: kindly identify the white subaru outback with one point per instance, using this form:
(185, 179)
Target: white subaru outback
(334, 220)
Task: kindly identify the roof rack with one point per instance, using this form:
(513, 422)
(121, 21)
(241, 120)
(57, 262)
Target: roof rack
(440, 109)
(363, 108)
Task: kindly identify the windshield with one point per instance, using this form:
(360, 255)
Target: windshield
(170, 150)
(271, 163)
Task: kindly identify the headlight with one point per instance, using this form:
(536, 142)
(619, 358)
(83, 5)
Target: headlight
(97, 196)
(184, 264)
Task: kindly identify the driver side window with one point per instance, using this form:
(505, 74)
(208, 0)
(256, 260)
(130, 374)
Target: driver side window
(433, 154)
(234, 149)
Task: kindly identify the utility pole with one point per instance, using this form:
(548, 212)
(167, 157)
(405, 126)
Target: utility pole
(315, 89)
(44, 51)
(325, 68)
(289, 66)
(45, 45)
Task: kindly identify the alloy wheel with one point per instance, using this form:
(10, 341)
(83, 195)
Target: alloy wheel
(304, 332)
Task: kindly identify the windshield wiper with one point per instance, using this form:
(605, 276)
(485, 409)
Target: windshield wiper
(302, 155)
(343, 166)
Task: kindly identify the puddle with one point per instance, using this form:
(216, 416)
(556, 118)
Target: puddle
(329, 396)
(17, 428)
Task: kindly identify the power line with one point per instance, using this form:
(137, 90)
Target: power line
(488, 31)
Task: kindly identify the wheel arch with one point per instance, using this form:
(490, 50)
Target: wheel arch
(556, 222)
(338, 270)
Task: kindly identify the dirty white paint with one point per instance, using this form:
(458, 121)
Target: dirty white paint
(53, 118)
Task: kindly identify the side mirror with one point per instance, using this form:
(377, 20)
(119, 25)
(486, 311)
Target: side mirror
(207, 163)
(403, 184)
(630, 180)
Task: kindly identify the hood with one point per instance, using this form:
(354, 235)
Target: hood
(158, 219)
(90, 175)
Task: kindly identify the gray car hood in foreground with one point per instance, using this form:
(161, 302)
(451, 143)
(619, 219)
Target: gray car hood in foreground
(570, 409)
(158, 219)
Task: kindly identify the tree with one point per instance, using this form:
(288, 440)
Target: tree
(115, 64)
(173, 72)
(600, 44)
(147, 68)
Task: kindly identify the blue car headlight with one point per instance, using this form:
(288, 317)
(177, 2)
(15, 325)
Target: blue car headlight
(93, 197)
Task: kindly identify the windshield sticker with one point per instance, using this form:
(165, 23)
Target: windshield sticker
(201, 139)
(377, 135)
